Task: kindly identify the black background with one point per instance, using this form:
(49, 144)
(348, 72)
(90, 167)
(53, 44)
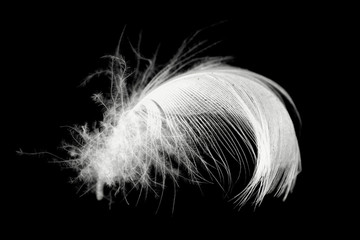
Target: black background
(51, 49)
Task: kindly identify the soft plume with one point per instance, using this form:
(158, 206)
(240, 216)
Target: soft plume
(188, 118)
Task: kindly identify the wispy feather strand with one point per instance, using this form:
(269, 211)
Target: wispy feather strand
(194, 112)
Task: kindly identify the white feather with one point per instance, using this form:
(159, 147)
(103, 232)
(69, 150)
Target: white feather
(190, 118)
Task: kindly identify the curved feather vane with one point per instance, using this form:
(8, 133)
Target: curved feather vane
(180, 123)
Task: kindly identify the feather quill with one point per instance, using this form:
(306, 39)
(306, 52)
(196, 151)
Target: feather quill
(163, 129)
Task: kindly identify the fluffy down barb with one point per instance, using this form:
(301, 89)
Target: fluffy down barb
(179, 123)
